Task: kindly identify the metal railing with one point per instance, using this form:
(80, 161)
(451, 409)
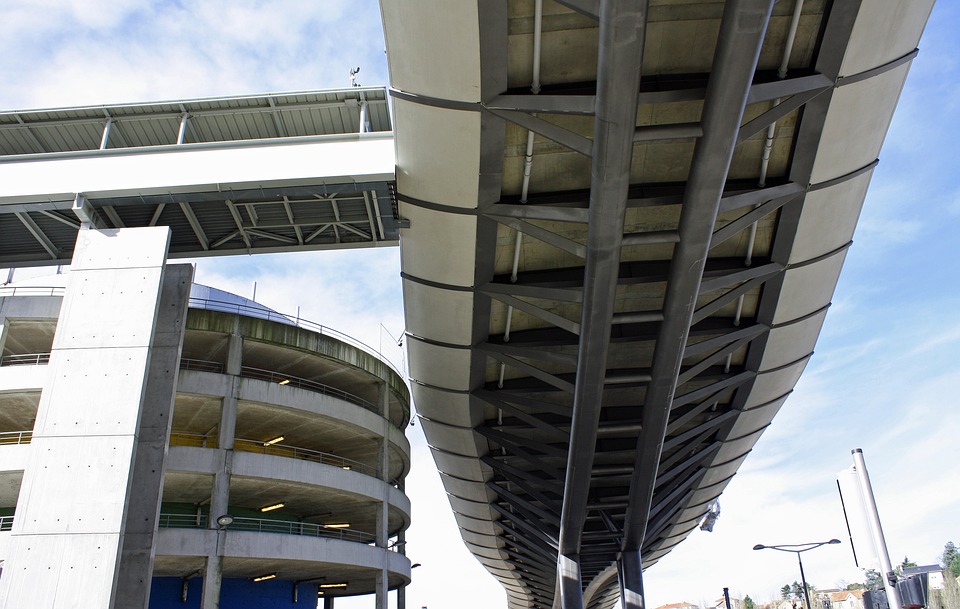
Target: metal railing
(258, 311)
(200, 364)
(16, 437)
(277, 450)
(280, 379)
(193, 439)
(262, 312)
(6, 523)
(309, 529)
(25, 359)
(302, 383)
(305, 454)
(264, 525)
(182, 521)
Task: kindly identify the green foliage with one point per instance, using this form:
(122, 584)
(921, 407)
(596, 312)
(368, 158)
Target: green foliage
(874, 580)
(748, 603)
(950, 559)
(795, 591)
(906, 563)
(855, 587)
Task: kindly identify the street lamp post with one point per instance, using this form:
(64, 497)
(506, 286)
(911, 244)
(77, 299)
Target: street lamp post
(798, 549)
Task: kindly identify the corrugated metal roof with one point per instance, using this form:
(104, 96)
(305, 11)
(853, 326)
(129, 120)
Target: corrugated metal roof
(219, 119)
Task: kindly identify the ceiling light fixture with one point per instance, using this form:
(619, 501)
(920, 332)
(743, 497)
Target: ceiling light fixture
(273, 441)
(264, 577)
(343, 585)
(275, 506)
(337, 525)
(285, 382)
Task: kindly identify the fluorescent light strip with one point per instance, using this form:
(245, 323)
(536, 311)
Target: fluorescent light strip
(337, 525)
(275, 506)
(264, 577)
(343, 585)
(273, 441)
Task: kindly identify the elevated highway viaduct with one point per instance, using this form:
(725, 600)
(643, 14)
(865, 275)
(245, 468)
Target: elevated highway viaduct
(641, 210)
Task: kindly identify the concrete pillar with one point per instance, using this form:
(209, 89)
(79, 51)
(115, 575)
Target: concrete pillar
(235, 351)
(328, 602)
(228, 417)
(212, 579)
(630, 572)
(402, 590)
(143, 506)
(383, 513)
(220, 495)
(571, 589)
(101, 401)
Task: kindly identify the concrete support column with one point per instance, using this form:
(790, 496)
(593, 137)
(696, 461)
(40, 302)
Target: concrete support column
(228, 416)
(630, 572)
(104, 408)
(383, 509)
(571, 590)
(382, 575)
(220, 496)
(212, 578)
(235, 351)
(328, 602)
(402, 590)
(156, 415)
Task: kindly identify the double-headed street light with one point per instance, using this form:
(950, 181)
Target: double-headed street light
(797, 549)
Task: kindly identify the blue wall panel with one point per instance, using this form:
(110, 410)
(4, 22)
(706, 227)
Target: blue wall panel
(235, 593)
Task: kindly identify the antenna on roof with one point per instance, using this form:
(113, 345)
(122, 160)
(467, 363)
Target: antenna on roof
(353, 76)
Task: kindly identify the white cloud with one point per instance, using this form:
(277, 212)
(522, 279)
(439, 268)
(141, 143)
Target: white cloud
(139, 50)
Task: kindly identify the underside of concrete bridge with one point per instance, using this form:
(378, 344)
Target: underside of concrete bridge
(626, 223)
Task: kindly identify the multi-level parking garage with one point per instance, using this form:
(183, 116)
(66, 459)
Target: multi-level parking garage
(291, 430)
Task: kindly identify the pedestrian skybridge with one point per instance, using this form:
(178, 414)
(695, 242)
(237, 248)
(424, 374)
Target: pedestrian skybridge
(260, 173)
(621, 225)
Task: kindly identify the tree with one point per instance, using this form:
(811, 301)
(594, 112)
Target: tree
(905, 564)
(748, 603)
(874, 580)
(785, 591)
(950, 559)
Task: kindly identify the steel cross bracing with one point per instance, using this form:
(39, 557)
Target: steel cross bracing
(606, 406)
(210, 224)
(562, 521)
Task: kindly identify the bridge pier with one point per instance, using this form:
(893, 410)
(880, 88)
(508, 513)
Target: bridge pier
(101, 431)
(630, 573)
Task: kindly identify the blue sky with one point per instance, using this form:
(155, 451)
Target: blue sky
(887, 366)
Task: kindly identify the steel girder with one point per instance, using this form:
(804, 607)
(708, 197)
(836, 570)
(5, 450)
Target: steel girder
(325, 216)
(621, 368)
